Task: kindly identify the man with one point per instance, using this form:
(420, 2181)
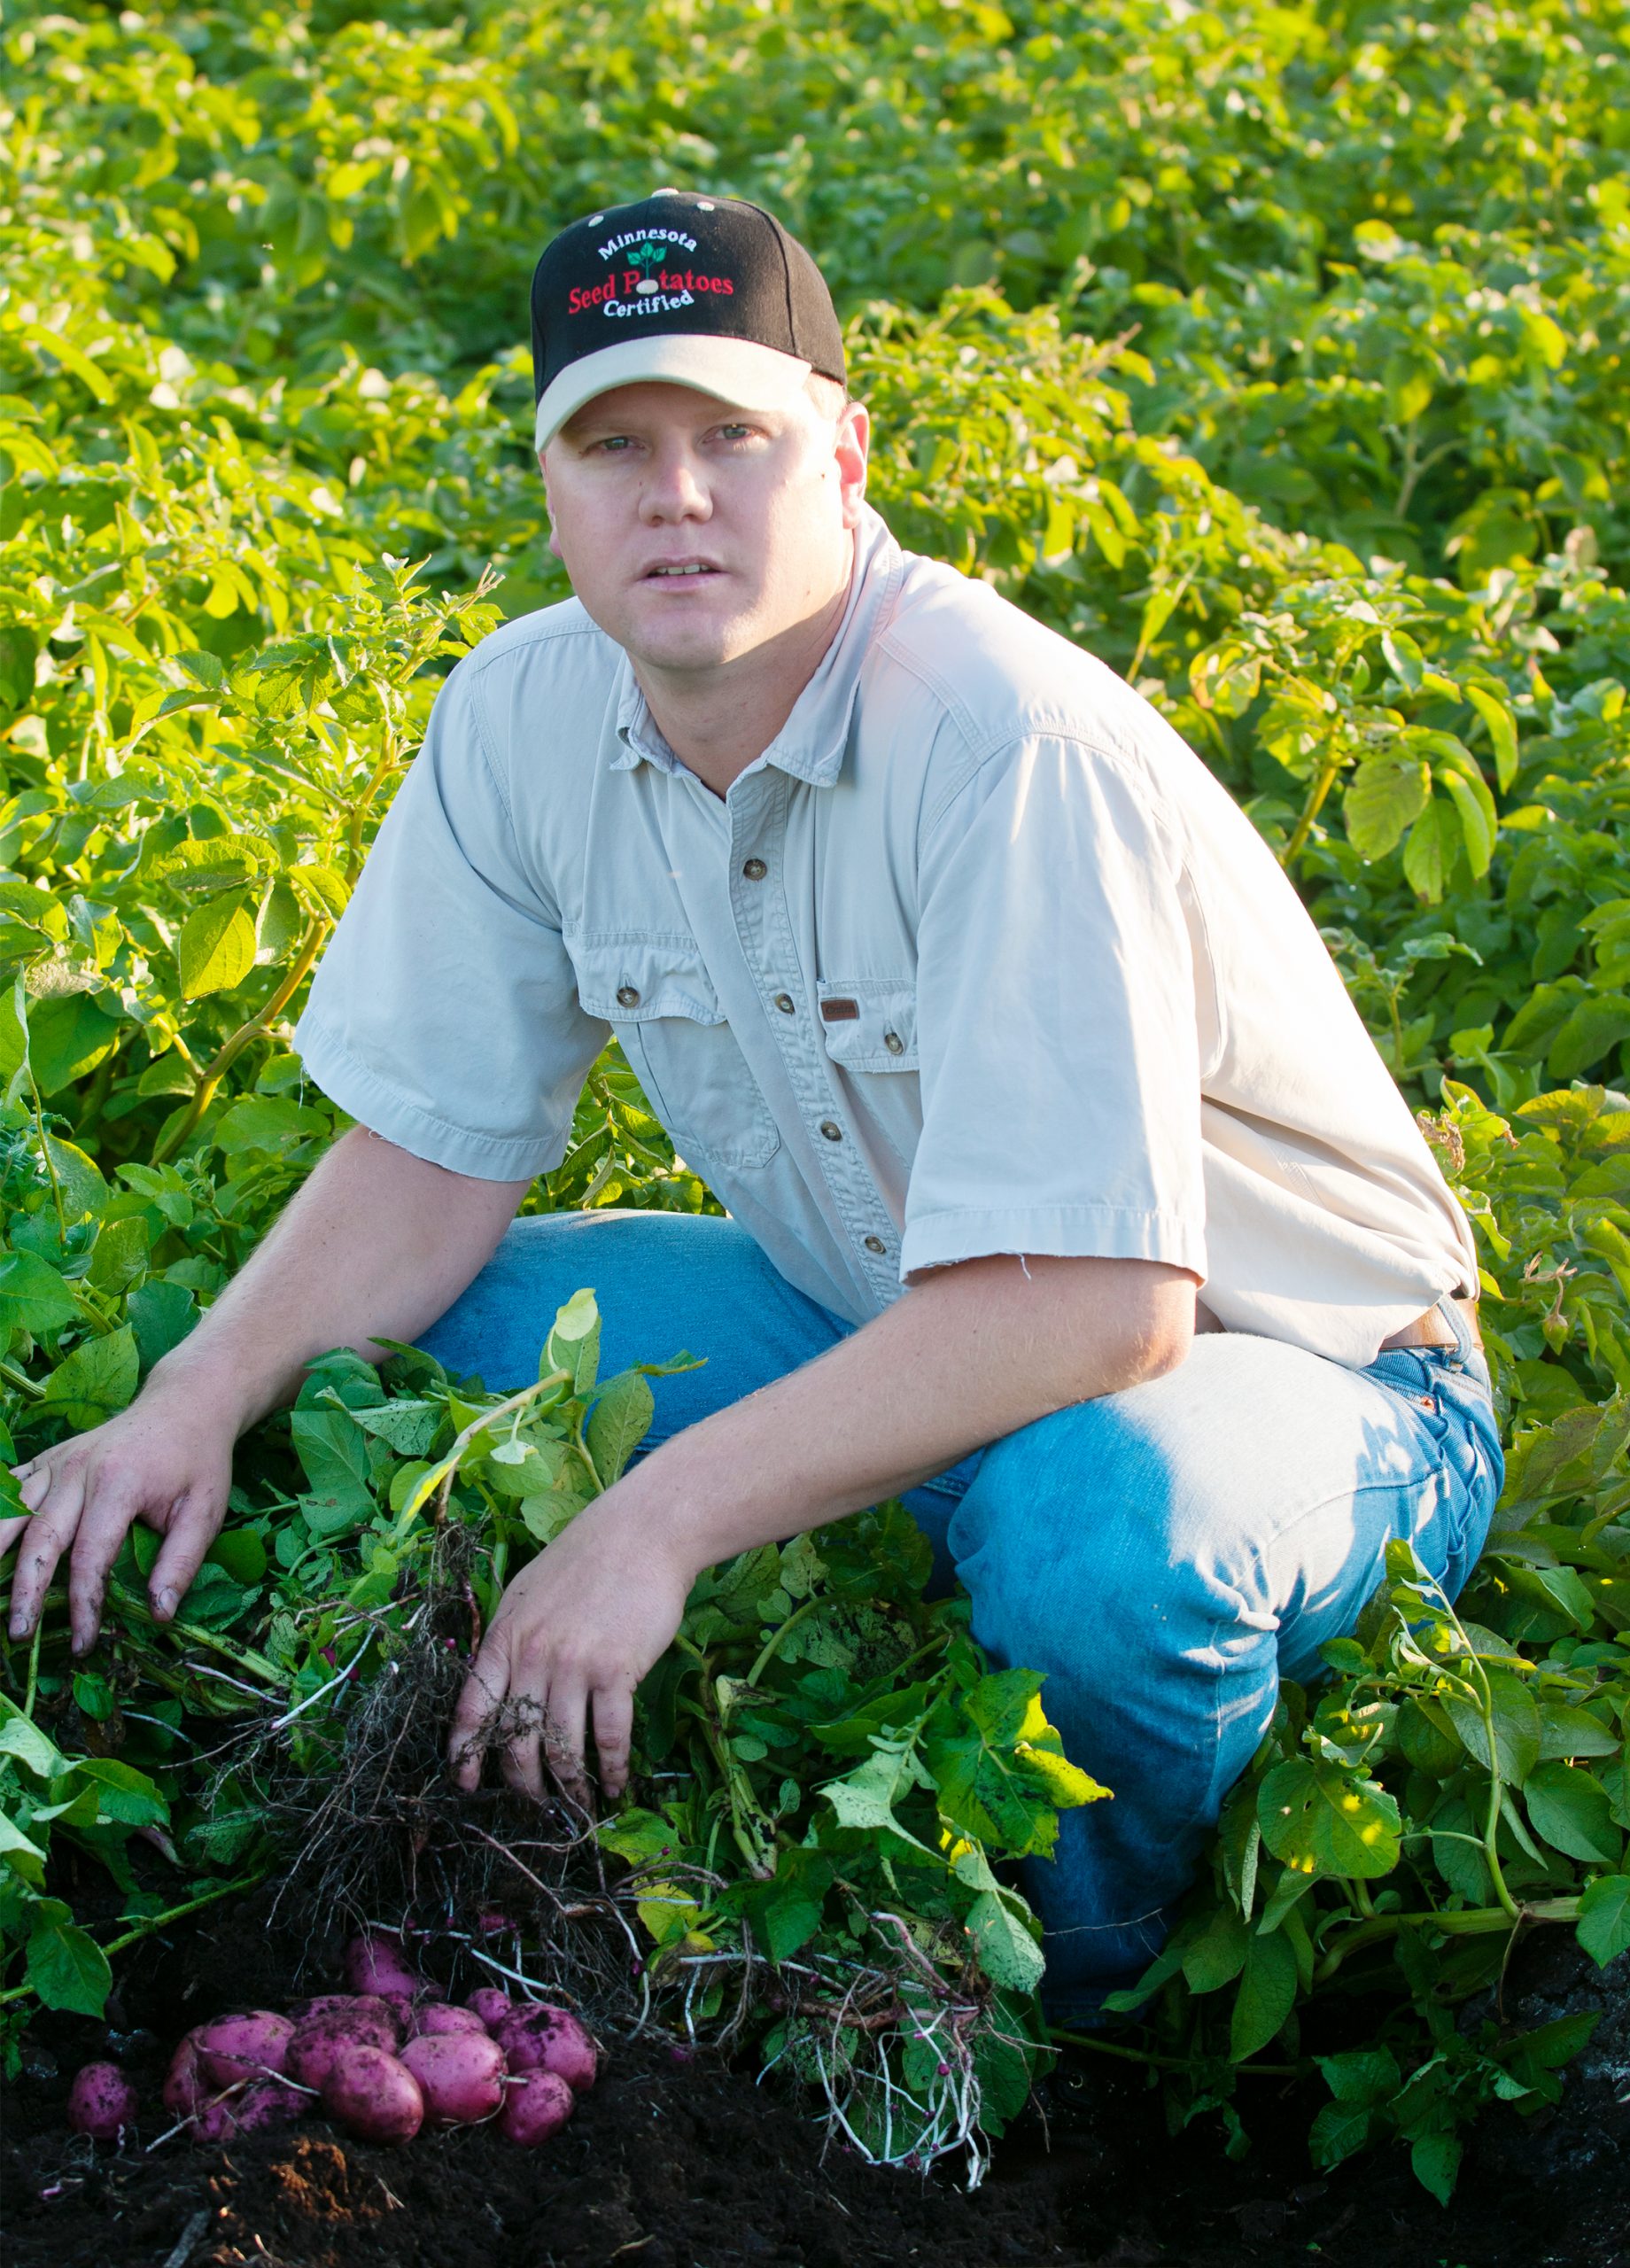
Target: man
(987, 1015)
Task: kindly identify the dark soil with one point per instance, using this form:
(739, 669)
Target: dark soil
(673, 2165)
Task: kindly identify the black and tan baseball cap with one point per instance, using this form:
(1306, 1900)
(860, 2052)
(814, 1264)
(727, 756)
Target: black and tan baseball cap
(702, 292)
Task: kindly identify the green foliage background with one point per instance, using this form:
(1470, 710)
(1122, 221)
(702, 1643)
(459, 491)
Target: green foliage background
(1276, 354)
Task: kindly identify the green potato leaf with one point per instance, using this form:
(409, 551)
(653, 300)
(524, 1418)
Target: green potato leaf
(1266, 1996)
(1320, 1819)
(215, 950)
(32, 1296)
(1603, 1926)
(68, 1969)
(96, 1379)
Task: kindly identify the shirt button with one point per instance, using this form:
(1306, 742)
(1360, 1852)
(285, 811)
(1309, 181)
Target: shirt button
(755, 869)
(627, 997)
(833, 1131)
(875, 1244)
(784, 1002)
(893, 1042)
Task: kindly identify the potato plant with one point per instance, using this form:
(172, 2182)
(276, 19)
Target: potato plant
(1275, 353)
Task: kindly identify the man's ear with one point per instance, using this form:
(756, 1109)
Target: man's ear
(850, 446)
(549, 507)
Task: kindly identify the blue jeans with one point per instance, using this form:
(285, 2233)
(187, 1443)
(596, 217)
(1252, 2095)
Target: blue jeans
(1164, 1555)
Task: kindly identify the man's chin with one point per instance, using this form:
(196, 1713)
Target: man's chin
(684, 649)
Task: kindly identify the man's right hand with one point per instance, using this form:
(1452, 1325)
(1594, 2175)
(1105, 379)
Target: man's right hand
(166, 1460)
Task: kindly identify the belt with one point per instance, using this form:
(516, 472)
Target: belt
(1433, 1328)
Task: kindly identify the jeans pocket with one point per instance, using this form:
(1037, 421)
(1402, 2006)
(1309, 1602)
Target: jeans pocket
(1472, 1446)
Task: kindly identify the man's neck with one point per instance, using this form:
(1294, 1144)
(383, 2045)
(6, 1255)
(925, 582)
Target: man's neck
(719, 721)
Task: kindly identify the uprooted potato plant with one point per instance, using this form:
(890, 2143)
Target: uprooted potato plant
(827, 1769)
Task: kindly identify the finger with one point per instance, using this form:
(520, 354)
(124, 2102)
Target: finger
(520, 1760)
(482, 1694)
(10, 1530)
(614, 1727)
(48, 1535)
(565, 1717)
(34, 1480)
(105, 1522)
(193, 1528)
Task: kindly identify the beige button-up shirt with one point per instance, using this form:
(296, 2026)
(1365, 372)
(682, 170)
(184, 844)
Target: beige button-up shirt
(977, 957)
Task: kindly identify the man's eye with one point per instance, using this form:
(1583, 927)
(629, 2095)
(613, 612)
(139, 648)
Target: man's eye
(735, 433)
(614, 443)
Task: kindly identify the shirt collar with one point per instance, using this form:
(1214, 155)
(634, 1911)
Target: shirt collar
(810, 744)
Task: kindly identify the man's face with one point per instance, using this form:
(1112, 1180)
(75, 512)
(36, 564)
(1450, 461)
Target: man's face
(694, 532)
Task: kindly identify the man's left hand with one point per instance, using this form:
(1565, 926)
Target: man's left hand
(573, 1636)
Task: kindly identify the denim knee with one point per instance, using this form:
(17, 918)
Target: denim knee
(1077, 1527)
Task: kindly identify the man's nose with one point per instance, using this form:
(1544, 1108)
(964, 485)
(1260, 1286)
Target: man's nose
(675, 489)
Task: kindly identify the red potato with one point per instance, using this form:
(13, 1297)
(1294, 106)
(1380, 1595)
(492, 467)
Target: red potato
(490, 2004)
(311, 2053)
(345, 2004)
(542, 2038)
(375, 1963)
(269, 2104)
(374, 2096)
(260, 2109)
(186, 2085)
(244, 2048)
(461, 2076)
(435, 2017)
(535, 2107)
(217, 2122)
(323, 2004)
(101, 2101)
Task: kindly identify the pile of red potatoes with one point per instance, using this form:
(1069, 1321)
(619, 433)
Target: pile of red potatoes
(387, 2058)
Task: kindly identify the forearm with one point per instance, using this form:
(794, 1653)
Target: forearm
(377, 1241)
(972, 1354)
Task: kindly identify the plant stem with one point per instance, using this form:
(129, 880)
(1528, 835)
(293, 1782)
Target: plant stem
(1170, 2062)
(21, 1381)
(1470, 1922)
(776, 1637)
(33, 1686)
(155, 1921)
(1322, 787)
(50, 1164)
(230, 1049)
(193, 1635)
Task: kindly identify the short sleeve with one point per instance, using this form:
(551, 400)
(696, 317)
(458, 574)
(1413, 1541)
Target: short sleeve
(1057, 1021)
(445, 1013)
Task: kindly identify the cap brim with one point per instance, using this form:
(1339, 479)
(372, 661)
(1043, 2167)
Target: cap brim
(737, 370)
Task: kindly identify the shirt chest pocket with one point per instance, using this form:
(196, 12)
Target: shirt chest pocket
(869, 1025)
(657, 995)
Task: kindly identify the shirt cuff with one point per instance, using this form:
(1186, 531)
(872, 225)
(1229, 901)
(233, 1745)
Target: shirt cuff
(1061, 1232)
(363, 1095)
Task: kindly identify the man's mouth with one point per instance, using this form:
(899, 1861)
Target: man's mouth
(689, 567)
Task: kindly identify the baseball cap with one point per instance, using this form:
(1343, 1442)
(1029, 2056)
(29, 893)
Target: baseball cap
(703, 292)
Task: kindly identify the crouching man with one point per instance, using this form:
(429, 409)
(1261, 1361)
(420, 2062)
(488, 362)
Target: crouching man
(1069, 1197)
